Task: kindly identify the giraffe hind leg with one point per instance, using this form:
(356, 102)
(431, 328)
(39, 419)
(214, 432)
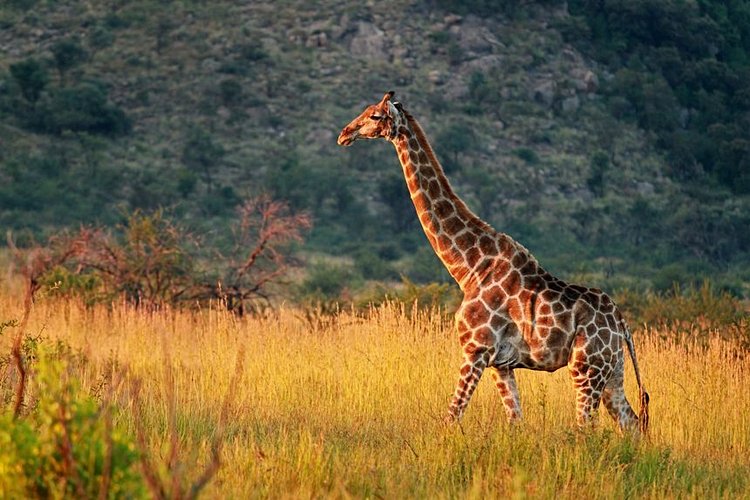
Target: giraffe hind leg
(615, 401)
(505, 380)
(590, 374)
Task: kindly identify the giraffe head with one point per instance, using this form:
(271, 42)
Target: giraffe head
(377, 120)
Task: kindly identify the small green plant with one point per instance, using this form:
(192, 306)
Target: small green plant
(67, 444)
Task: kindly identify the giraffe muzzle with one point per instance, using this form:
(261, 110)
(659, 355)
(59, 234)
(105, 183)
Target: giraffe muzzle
(346, 138)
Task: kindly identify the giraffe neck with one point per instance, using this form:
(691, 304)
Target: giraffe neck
(454, 231)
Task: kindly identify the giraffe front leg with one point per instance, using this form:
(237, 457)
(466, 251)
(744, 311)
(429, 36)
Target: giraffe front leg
(505, 380)
(471, 372)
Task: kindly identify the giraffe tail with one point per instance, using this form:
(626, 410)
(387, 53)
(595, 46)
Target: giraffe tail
(643, 395)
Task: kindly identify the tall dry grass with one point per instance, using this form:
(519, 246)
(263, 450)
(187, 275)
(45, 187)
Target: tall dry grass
(354, 407)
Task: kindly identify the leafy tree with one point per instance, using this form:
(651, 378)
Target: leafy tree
(599, 165)
(202, 154)
(67, 54)
(31, 77)
(82, 108)
(457, 138)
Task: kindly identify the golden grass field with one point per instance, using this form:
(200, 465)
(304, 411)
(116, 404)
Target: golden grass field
(353, 407)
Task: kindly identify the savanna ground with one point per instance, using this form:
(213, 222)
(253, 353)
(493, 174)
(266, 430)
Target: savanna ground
(352, 405)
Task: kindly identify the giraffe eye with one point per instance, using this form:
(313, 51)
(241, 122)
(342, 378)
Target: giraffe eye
(376, 117)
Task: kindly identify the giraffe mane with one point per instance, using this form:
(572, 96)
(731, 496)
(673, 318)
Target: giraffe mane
(420, 136)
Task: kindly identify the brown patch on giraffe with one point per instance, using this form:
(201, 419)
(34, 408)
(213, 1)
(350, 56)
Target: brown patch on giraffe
(555, 285)
(557, 308)
(529, 269)
(413, 157)
(494, 298)
(512, 283)
(443, 208)
(578, 289)
(595, 344)
(473, 256)
(571, 293)
(607, 305)
(487, 245)
(465, 369)
(413, 144)
(423, 158)
(605, 335)
(404, 157)
(556, 338)
(592, 329)
(473, 349)
(427, 172)
(505, 245)
(519, 260)
(465, 240)
(484, 266)
(497, 322)
(500, 269)
(453, 225)
(545, 309)
(445, 244)
(514, 309)
(542, 331)
(404, 131)
(422, 204)
(464, 337)
(563, 319)
(593, 300)
(563, 356)
(503, 390)
(484, 336)
(475, 313)
(611, 323)
(600, 320)
(428, 219)
(431, 239)
(434, 189)
(545, 321)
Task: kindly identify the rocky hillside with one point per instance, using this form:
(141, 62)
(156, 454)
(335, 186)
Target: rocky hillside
(110, 106)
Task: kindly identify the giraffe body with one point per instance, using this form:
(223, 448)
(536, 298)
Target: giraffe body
(514, 314)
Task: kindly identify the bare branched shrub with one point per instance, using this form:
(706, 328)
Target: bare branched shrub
(152, 261)
(150, 265)
(259, 254)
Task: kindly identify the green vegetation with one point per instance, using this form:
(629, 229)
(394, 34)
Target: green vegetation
(608, 138)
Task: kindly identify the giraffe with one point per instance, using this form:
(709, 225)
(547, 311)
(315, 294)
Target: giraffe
(514, 314)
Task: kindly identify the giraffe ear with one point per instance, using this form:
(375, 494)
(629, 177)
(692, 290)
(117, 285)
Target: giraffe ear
(386, 98)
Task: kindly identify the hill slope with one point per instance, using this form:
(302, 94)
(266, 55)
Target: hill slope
(111, 106)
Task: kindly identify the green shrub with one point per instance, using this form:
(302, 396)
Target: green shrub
(67, 445)
(326, 281)
(82, 108)
(702, 305)
(31, 77)
(62, 282)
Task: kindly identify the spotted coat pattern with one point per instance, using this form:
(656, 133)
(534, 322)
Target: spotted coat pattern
(514, 314)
